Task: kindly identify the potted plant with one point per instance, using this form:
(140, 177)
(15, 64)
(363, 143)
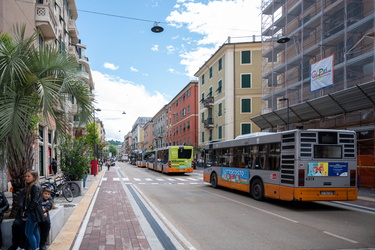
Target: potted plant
(74, 159)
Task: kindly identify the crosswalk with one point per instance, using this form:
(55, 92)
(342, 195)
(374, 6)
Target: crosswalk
(158, 181)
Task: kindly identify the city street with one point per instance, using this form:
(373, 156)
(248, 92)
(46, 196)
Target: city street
(181, 211)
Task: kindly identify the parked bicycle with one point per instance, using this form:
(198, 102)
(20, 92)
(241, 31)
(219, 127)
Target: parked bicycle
(61, 186)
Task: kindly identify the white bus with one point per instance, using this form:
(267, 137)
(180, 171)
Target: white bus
(303, 165)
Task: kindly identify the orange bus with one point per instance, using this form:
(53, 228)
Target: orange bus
(302, 165)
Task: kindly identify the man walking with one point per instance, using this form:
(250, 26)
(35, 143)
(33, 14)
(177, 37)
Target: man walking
(54, 166)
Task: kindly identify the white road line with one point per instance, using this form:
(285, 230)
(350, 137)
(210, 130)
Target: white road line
(340, 237)
(193, 179)
(116, 179)
(160, 179)
(148, 179)
(155, 183)
(193, 183)
(104, 179)
(137, 179)
(180, 183)
(180, 179)
(125, 179)
(256, 208)
(170, 179)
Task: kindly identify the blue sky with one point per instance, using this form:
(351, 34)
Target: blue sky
(138, 71)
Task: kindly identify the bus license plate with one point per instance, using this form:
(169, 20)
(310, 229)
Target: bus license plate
(327, 192)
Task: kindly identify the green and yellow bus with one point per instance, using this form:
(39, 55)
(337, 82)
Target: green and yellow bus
(301, 165)
(174, 159)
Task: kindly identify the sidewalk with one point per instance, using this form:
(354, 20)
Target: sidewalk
(112, 223)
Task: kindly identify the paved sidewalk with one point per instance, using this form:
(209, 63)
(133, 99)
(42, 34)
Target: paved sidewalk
(113, 223)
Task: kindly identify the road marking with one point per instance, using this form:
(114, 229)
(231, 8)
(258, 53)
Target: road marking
(125, 179)
(137, 179)
(170, 179)
(104, 179)
(340, 237)
(116, 179)
(180, 179)
(148, 179)
(256, 208)
(160, 179)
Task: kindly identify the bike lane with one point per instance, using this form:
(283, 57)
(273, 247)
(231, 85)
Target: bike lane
(112, 223)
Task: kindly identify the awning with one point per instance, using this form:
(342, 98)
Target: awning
(355, 98)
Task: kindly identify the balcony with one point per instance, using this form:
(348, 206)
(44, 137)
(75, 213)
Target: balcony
(208, 123)
(45, 20)
(73, 31)
(208, 102)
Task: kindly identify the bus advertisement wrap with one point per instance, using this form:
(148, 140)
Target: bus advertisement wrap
(328, 169)
(235, 175)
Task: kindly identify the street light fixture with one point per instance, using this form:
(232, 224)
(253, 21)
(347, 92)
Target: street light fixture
(287, 110)
(157, 28)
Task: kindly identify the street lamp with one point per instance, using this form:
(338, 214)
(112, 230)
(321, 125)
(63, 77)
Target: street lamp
(287, 110)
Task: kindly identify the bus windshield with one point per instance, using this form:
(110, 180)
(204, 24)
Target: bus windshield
(184, 153)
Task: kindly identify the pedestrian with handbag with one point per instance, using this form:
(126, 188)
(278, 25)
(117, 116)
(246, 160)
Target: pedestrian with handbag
(33, 208)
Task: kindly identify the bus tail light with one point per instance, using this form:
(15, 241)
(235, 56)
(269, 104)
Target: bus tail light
(169, 164)
(353, 177)
(301, 177)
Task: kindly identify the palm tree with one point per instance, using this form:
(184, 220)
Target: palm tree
(35, 84)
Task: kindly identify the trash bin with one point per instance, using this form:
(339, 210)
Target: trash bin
(94, 167)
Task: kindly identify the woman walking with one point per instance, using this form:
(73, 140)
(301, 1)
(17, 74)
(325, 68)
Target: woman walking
(33, 208)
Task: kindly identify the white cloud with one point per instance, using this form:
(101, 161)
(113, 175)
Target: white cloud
(173, 71)
(110, 66)
(133, 69)
(115, 95)
(214, 22)
(155, 47)
(170, 49)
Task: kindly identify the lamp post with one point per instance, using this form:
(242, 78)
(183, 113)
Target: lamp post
(95, 146)
(287, 110)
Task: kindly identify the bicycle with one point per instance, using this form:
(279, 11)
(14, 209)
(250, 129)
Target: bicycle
(74, 187)
(58, 186)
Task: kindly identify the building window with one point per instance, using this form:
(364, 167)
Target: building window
(210, 136)
(220, 132)
(202, 136)
(245, 105)
(202, 79)
(210, 92)
(220, 64)
(188, 109)
(210, 70)
(219, 86)
(245, 128)
(246, 81)
(246, 57)
(202, 99)
(202, 117)
(188, 126)
(220, 109)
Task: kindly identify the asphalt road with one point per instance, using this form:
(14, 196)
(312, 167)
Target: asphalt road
(210, 218)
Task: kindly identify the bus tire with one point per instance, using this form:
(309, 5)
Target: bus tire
(257, 190)
(213, 180)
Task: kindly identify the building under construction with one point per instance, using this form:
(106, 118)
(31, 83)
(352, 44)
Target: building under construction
(318, 70)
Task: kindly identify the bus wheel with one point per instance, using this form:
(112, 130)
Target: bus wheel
(257, 190)
(214, 180)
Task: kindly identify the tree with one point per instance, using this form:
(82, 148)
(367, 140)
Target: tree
(74, 157)
(113, 150)
(35, 84)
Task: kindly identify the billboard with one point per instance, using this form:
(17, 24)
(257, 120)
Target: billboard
(321, 74)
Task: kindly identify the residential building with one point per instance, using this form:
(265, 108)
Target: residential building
(318, 69)
(137, 132)
(127, 145)
(159, 128)
(148, 137)
(229, 91)
(182, 117)
(56, 23)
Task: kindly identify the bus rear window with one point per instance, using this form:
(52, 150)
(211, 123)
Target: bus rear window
(328, 151)
(184, 153)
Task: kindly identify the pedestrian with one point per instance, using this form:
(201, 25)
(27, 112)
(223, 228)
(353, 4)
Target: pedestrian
(45, 225)
(33, 208)
(4, 205)
(85, 178)
(108, 164)
(19, 240)
(54, 166)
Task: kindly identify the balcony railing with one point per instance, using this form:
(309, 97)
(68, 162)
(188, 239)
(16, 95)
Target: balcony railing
(208, 102)
(45, 20)
(73, 31)
(208, 123)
